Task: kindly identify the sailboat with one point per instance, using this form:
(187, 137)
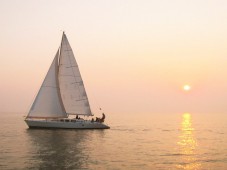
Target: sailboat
(62, 96)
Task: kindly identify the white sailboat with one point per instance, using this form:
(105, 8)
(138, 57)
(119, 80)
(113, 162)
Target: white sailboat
(61, 95)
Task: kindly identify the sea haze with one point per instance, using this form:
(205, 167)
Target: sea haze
(190, 141)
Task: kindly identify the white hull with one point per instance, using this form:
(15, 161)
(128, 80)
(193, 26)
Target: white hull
(69, 124)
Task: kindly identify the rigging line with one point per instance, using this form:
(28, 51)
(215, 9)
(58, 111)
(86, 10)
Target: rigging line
(66, 75)
(71, 66)
(81, 99)
(50, 86)
(77, 82)
(94, 96)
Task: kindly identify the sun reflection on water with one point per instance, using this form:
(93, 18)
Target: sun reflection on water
(187, 144)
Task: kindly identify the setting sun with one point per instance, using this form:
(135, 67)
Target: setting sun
(187, 87)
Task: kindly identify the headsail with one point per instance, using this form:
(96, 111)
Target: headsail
(72, 89)
(48, 102)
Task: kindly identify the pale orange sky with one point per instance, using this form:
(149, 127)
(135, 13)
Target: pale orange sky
(134, 55)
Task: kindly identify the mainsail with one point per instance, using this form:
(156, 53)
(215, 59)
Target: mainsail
(72, 89)
(48, 103)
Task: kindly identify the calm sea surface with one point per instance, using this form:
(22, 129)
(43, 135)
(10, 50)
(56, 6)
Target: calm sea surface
(146, 141)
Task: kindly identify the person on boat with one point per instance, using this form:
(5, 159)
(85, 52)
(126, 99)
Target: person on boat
(103, 117)
(77, 117)
(97, 119)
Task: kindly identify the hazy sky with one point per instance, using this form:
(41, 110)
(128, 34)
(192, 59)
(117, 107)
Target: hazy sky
(134, 55)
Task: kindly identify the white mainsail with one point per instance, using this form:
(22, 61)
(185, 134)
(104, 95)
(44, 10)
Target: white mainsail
(72, 89)
(48, 103)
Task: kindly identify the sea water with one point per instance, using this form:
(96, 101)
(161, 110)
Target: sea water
(170, 141)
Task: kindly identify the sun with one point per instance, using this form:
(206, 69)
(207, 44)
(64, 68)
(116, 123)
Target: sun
(186, 87)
